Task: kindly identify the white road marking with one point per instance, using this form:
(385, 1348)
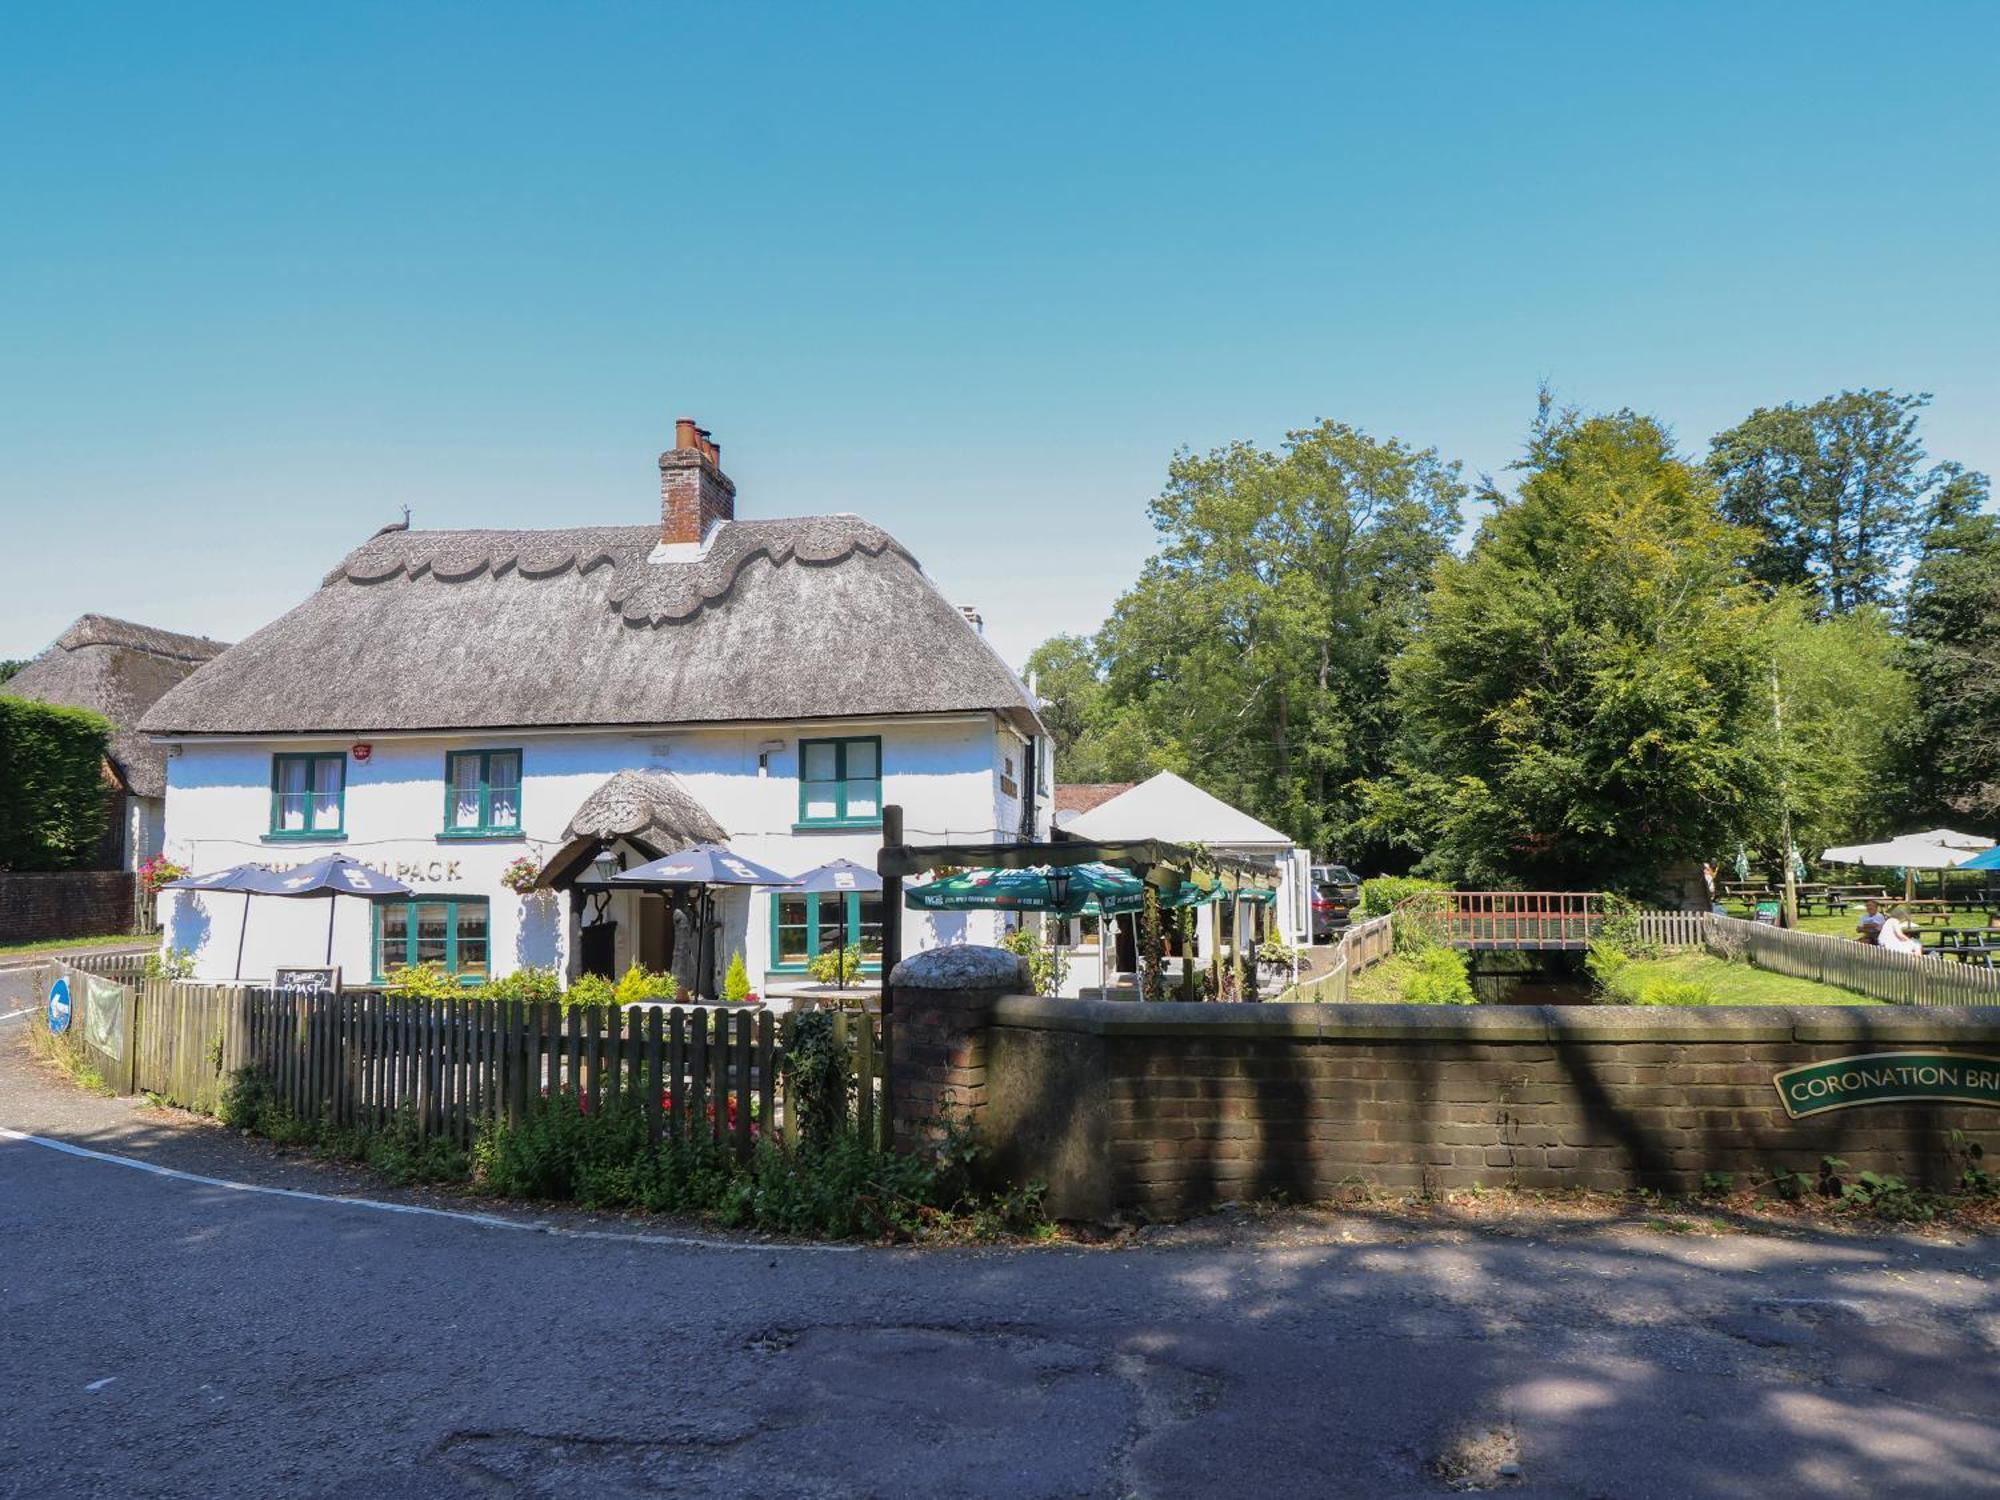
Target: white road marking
(484, 1221)
(13, 1013)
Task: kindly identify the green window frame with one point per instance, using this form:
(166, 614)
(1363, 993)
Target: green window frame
(309, 795)
(482, 794)
(799, 925)
(456, 931)
(840, 782)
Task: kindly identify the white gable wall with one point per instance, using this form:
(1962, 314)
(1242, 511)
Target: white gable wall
(941, 769)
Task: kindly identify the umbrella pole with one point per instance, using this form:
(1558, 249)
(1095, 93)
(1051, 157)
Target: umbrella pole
(242, 931)
(331, 901)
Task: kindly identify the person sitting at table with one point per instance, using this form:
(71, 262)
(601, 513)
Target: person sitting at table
(1869, 928)
(1896, 935)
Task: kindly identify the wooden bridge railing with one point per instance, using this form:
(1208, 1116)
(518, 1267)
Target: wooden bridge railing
(1501, 921)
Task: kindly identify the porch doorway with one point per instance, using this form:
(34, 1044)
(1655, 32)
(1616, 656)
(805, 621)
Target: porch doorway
(656, 932)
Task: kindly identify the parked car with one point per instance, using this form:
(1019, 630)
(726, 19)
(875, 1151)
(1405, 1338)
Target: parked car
(1335, 894)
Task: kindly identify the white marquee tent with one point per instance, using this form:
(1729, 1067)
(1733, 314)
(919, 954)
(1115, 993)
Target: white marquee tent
(1177, 811)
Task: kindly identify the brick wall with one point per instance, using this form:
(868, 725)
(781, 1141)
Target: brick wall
(1168, 1109)
(64, 904)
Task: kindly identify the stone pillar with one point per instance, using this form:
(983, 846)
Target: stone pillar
(943, 1002)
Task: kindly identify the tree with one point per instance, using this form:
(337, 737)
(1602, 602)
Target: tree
(1952, 621)
(1844, 702)
(9, 669)
(1253, 654)
(1586, 702)
(1064, 673)
(1833, 494)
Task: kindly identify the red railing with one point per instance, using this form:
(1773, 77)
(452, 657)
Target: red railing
(1508, 920)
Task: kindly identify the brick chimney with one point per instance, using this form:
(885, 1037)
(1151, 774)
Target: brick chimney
(694, 492)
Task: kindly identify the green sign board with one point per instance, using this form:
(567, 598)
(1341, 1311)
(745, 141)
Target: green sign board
(1889, 1078)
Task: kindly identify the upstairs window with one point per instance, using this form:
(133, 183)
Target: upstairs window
(482, 792)
(840, 782)
(308, 795)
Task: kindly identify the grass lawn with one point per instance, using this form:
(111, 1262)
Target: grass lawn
(62, 945)
(1729, 983)
(1733, 983)
(1839, 924)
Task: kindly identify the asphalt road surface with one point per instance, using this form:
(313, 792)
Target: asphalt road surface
(170, 1336)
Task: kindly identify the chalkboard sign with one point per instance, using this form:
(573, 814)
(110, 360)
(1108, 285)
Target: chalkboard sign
(315, 981)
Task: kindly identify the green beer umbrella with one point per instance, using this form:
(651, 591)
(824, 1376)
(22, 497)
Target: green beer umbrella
(1070, 890)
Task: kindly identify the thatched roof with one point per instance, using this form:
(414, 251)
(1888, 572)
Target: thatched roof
(120, 670)
(651, 810)
(817, 617)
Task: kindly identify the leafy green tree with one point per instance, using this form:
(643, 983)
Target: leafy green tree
(1587, 699)
(1840, 712)
(9, 669)
(1952, 620)
(1075, 705)
(1253, 654)
(1833, 493)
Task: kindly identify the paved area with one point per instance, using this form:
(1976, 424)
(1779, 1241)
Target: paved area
(168, 1337)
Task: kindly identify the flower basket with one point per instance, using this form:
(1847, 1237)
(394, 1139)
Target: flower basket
(159, 870)
(521, 874)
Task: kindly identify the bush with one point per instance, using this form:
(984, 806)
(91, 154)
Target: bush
(640, 983)
(736, 983)
(426, 981)
(174, 963)
(1047, 966)
(54, 801)
(1604, 962)
(1439, 977)
(835, 966)
(589, 989)
(528, 985)
(842, 1187)
(1385, 892)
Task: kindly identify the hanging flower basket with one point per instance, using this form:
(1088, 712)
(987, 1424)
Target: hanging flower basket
(157, 871)
(521, 874)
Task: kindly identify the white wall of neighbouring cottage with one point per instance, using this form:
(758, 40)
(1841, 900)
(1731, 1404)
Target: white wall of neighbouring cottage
(941, 770)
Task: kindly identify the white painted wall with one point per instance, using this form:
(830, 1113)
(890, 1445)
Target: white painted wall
(942, 770)
(145, 819)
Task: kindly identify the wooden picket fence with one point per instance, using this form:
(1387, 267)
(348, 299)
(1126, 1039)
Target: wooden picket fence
(126, 968)
(1898, 978)
(1673, 929)
(1361, 945)
(365, 1060)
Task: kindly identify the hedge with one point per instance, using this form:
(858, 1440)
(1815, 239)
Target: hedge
(54, 802)
(1382, 894)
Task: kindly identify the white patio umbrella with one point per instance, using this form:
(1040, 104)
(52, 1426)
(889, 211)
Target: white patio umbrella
(1910, 853)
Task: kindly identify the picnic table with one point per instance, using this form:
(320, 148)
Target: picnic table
(1968, 945)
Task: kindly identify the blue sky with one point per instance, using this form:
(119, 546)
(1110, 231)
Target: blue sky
(270, 273)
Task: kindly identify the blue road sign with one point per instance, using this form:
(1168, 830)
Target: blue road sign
(59, 1008)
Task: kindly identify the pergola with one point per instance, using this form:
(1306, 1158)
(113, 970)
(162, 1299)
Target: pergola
(1162, 865)
(1158, 863)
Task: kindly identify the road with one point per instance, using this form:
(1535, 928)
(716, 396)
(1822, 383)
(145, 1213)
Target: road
(166, 1336)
